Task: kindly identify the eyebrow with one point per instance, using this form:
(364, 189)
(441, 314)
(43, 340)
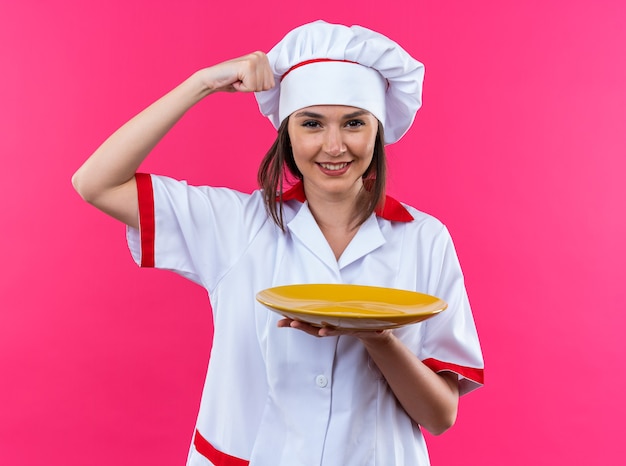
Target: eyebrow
(308, 114)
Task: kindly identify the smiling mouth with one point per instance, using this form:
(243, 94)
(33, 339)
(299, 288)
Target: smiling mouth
(334, 166)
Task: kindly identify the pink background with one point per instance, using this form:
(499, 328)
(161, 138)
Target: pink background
(520, 149)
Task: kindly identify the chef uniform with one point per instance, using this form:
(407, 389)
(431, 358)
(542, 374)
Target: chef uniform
(276, 396)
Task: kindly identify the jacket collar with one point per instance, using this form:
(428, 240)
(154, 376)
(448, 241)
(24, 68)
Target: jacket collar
(391, 209)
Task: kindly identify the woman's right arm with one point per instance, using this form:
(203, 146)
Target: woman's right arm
(107, 178)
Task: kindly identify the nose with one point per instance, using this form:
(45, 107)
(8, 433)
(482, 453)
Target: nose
(333, 142)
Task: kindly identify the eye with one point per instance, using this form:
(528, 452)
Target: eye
(311, 124)
(355, 123)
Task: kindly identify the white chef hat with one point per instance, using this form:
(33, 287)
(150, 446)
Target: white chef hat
(330, 64)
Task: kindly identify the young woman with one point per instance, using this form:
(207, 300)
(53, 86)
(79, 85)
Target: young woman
(279, 391)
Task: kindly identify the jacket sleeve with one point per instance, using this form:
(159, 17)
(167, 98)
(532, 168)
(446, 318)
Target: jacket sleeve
(450, 340)
(197, 232)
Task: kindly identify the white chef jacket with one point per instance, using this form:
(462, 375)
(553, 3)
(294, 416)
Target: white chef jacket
(277, 396)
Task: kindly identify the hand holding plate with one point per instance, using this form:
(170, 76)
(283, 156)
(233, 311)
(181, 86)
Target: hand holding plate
(330, 331)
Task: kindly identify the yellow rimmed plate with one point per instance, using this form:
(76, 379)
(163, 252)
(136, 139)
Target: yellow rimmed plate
(355, 307)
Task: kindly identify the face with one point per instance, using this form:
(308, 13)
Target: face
(332, 147)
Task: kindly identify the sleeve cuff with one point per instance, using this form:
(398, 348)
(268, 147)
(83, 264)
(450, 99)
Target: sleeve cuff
(145, 196)
(470, 378)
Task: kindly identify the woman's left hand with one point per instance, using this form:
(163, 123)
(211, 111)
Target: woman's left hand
(333, 332)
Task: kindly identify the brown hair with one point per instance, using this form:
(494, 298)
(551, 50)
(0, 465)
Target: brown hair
(279, 167)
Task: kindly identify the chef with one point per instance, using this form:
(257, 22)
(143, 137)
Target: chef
(279, 391)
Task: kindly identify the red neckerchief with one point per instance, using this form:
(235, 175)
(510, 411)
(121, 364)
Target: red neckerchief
(391, 209)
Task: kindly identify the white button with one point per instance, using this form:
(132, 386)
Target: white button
(321, 381)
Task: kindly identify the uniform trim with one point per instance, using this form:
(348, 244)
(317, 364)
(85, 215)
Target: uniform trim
(215, 456)
(314, 60)
(145, 197)
(471, 373)
(391, 210)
